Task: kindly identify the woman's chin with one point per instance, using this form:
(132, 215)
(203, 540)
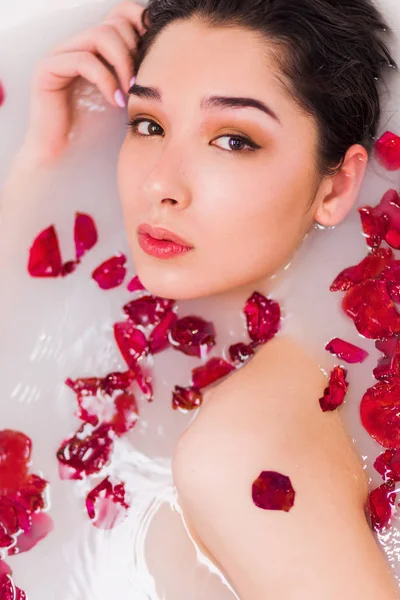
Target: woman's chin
(167, 287)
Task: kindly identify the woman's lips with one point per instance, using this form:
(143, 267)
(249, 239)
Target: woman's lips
(160, 242)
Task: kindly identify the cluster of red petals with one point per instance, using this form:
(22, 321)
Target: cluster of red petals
(273, 491)
(336, 391)
(382, 222)
(263, 317)
(45, 255)
(193, 336)
(106, 504)
(381, 503)
(346, 351)
(22, 500)
(111, 273)
(387, 151)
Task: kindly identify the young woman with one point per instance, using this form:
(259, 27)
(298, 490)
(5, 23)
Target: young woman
(250, 120)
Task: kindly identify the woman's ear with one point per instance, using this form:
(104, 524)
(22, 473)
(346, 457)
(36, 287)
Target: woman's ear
(338, 193)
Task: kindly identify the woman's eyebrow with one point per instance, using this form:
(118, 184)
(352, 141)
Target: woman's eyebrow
(151, 93)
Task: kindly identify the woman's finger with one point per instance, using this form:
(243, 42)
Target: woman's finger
(132, 12)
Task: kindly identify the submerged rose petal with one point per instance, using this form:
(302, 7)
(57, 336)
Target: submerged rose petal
(135, 285)
(9, 591)
(214, 369)
(15, 453)
(389, 365)
(111, 273)
(388, 465)
(387, 151)
(85, 234)
(380, 413)
(106, 504)
(131, 342)
(4, 569)
(240, 352)
(86, 452)
(186, 399)
(144, 381)
(147, 310)
(126, 413)
(380, 505)
(44, 255)
(336, 391)
(193, 336)
(369, 268)
(42, 525)
(374, 226)
(159, 337)
(346, 351)
(372, 310)
(263, 318)
(273, 491)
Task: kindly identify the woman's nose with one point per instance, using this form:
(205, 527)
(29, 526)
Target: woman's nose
(168, 183)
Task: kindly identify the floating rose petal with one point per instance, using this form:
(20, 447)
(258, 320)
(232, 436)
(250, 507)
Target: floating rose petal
(388, 465)
(380, 505)
(389, 207)
(106, 504)
(370, 267)
(85, 234)
(4, 569)
(86, 452)
(380, 413)
(372, 310)
(193, 336)
(186, 398)
(336, 391)
(2, 94)
(391, 274)
(375, 226)
(159, 337)
(263, 318)
(144, 382)
(131, 342)
(273, 491)
(389, 365)
(240, 352)
(126, 413)
(69, 267)
(117, 381)
(346, 351)
(147, 310)
(15, 453)
(8, 591)
(135, 285)
(387, 151)
(393, 238)
(214, 369)
(111, 273)
(44, 255)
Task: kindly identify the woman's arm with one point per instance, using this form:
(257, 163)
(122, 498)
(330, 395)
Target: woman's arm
(267, 417)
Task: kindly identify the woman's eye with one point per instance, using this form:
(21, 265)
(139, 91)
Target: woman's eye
(141, 127)
(237, 143)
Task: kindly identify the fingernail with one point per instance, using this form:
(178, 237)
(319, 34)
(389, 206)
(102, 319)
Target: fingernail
(132, 81)
(119, 98)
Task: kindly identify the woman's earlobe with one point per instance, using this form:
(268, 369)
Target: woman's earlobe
(339, 192)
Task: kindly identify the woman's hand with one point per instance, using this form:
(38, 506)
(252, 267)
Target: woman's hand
(103, 55)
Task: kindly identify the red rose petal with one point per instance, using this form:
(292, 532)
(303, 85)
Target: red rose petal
(117, 381)
(375, 226)
(8, 591)
(263, 318)
(15, 453)
(135, 285)
(126, 413)
(273, 491)
(144, 382)
(131, 342)
(186, 399)
(380, 505)
(2, 94)
(86, 452)
(388, 465)
(147, 310)
(214, 369)
(389, 365)
(44, 255)
(159, 337)
(85, 234)
(380, 413)
(387, 151)
(69, 267)
(393, 238)
(389, 207)
(372, 310)
(193, 336)
(336, 391)
(240, 352)
(111, 273)
(42, 525)
(4, 569)
(106, 504)
(391, 274)
(370, 267)
(346, 351)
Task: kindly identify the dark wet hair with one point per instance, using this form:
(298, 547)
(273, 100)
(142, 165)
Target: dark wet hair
(331, 52)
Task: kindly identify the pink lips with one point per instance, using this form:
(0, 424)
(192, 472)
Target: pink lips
(160, 242)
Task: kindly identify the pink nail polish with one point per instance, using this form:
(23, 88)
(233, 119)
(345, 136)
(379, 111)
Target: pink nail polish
(119, 98)
(132, 81)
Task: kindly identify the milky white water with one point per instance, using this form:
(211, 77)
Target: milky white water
(50, 330)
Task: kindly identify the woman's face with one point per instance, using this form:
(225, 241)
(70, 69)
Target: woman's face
(234, 182)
